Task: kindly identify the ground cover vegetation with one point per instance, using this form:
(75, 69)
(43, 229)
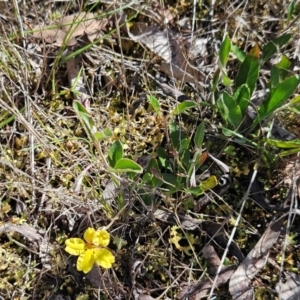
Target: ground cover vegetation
(149, 150)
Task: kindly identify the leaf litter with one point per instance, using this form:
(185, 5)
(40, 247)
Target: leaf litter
(72, 207)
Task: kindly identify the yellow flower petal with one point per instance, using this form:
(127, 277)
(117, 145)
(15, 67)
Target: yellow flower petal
(101, 238)
(89, 235)
(85, 261)
(104, 258)
(74, 246)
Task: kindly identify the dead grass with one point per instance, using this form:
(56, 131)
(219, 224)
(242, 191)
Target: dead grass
(53, 179)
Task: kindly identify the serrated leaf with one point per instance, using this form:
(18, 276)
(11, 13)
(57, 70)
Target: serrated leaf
(127, 165)
(184, 106)
(224, 51)
(248, 73)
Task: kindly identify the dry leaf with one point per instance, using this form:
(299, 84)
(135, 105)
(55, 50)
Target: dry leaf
(212, 259)
(165, 14)
(40, 243)
(165, 44)
(292, 171)
(289, 289)
(67, 29)
(186, 222)
(240, 282)
(202, 289)
(25, 230)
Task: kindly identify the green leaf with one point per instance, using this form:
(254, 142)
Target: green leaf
(83, 114)
(216, 78)
(224, 51)
(115, 153)
(177, 137)
(284, 144)
(78, 107)
(291, 10)
(99, 136)
(289, 152)
(184, 145)
(277, 97)
(197, 191)
(185, 160)
(184, 106)
(153, 173)
(248, 73)
(226, 80)
(242, 97)
(127, 165)
(284, 63)
(172, 182)
(239, 54)
(154, 103)
(209, 183)
(274, 77)
(270, 49)
(162, 157)
(199, 135)
(295, 101)
(229, 110)
(240, 139)
(283, 66)
(282, 40)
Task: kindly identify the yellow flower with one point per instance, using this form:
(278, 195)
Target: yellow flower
(90, 250)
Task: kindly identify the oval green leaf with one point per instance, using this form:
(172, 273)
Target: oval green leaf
(199, 135)
(127, 165)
